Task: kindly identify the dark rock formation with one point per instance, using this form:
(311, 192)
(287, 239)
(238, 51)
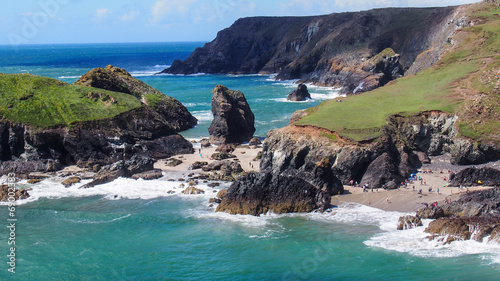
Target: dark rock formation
(18, 193)
(299, 94)
(409, 222)
(205, 143)
(283, 191)
(474, 216)
(474, 177)
(150, 129)
(257, 194)
(233, 120)
(227, 167)
(346, 50)
(382, 171)
(198, 165)
(255, 141)
(137, 164)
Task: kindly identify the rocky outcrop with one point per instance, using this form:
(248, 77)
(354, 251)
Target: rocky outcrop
(233, 119)
(150, 129)
(475, 215)
(137, 164)
(345, 50)
(256, 194)
(299, 94)
(71, 181)
(119, 80)
(193, 190)
(406, 143)
(474, 177)
(409, 222)
(283, 191)
(7, 192)
(148, 175)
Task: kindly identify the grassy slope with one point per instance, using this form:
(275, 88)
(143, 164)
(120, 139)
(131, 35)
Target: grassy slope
(361, 117)
(43, 102)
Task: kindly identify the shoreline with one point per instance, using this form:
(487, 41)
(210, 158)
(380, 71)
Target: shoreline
(405, 200)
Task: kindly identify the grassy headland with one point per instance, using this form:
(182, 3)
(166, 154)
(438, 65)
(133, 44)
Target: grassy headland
(44, 102)
(463, 82)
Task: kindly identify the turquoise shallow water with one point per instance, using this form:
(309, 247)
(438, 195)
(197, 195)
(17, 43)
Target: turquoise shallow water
(135, 230)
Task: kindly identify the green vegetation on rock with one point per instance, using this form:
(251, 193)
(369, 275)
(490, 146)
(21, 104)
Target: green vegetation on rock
(464, 82)
(44, 102)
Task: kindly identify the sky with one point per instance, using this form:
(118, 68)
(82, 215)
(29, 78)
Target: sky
(115, 21)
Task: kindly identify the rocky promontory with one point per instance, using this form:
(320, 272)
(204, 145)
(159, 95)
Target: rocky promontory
(356, 51)
(233, 119)
(288, 191)
(107, 116)
(476, 215)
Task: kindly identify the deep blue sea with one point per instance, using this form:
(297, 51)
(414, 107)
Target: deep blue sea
(135, 230)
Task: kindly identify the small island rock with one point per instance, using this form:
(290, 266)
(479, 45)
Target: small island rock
(299, 94)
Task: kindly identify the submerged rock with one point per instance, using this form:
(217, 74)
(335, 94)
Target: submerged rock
(233, 119)
(299, 94)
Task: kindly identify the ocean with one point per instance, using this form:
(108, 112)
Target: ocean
(136, 230)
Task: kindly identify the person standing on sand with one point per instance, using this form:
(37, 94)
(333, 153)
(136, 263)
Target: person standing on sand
(387, 199)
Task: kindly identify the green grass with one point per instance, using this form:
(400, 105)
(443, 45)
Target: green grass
(362, 117)
(43, 102)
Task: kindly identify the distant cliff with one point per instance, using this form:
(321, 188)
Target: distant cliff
(356, 51)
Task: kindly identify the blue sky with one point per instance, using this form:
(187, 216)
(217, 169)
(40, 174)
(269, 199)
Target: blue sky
(109, 21)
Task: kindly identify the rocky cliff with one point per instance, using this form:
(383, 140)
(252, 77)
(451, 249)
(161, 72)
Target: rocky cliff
(149, 127)
(406, 143)
(355, 51)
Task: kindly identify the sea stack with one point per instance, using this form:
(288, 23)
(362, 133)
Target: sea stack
(233, 119)
(299, 94)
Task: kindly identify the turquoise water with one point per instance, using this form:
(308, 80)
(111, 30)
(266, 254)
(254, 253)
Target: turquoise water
(135, 230)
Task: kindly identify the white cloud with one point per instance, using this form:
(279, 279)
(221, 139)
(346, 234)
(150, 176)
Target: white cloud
(130, 16)
(166, 8)
(101, 14)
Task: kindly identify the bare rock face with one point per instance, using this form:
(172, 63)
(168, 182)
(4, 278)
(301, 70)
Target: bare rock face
(233, 119)
(299, 94)
(287, 191)
(473, 176)
(259, 193)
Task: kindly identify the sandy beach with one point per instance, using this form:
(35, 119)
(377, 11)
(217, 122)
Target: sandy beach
(402, 200)
(245, 156)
